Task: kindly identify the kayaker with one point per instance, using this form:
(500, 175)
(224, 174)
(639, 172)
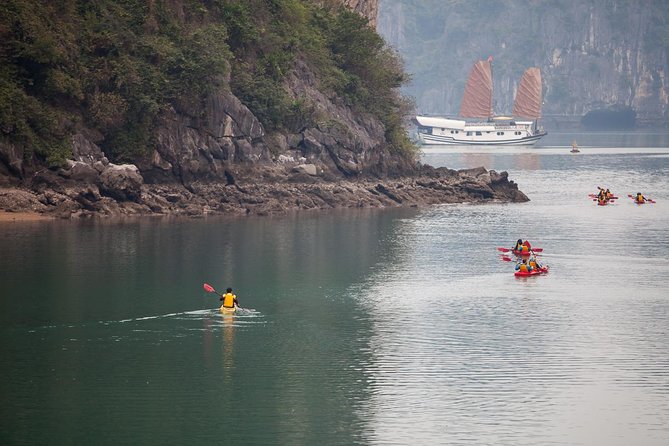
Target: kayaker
(608, 194)
(640, 198)
(534, 263)
(229, 299)
(519, 245)
(522, 266)
(526, 247)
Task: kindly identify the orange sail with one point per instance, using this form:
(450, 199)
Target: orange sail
(528, 97)
(477, 100)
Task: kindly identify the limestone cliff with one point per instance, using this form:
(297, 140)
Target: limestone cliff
(593, 54)
(366, 8)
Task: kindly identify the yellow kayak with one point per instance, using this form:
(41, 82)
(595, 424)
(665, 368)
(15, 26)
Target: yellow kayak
(228, 310)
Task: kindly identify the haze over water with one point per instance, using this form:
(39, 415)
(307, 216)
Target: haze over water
(362, 326)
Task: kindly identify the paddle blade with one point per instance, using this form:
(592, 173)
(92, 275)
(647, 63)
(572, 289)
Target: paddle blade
(208, 288)
(506, 259)
(503, 249)
(538, 249)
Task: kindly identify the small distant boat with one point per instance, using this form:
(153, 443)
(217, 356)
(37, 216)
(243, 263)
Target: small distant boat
(477, 104)
(574, 147)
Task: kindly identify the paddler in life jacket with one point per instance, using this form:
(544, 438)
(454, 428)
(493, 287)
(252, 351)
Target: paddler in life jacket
(608, 194)
(526, 248)
(602, 200)
(523, 267)
(534, 263)
(640, 198)
(519, 245)
(601, 193)
(229, 299)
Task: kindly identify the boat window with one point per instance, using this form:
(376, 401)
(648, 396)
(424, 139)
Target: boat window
(469, 133)
(478, 134)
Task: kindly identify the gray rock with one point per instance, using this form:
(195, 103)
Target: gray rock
(82, 171)
(85, 151)
(12, 157)
(121, 182)
(309, 169)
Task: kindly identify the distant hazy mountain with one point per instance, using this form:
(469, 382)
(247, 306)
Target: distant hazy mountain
(593, 54)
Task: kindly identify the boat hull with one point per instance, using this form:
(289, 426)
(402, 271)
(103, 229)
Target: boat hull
(428, 139)
(228, 310)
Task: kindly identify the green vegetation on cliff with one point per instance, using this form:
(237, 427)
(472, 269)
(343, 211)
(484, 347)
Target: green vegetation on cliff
(113, 66)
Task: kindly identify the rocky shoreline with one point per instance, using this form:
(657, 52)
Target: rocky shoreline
(270, 190)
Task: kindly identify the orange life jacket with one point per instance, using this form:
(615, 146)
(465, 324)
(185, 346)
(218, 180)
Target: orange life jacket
(229, 300)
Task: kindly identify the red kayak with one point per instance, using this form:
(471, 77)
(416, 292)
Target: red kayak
(527, 273)
(535, 272)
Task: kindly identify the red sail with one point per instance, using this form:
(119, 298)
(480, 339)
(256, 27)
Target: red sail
(477, 100)
(528, 97)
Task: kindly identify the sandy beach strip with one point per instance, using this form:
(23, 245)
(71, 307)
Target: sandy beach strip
(22, 216)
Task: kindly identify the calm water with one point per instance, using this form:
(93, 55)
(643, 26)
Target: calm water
(362, 327)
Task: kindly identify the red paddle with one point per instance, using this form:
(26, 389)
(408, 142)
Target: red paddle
(504, 249)
(210, 289)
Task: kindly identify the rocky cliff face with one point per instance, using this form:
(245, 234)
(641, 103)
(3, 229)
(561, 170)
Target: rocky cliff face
(593, 55)
(366, 8)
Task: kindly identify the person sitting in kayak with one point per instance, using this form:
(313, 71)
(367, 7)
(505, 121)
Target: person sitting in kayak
(609, 195)
(640, 198)
(526, 248)
(601, 194)
(602, 200)
(534, 263)
(523, 267)
(229, 299)
(519, 245)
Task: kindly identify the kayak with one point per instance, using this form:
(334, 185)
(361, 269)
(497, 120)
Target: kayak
(228, 310)
(527, 273)
(535, 272)
(522, 253)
